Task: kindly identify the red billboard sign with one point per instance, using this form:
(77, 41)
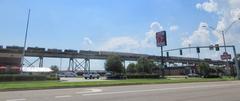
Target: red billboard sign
(161, 38)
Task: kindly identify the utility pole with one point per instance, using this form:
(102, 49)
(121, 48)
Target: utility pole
(25, 39)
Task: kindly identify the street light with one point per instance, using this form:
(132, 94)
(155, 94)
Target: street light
(25, 39)
(224, 31)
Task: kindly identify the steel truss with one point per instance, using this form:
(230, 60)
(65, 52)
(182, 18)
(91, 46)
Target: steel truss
(76, 65)
(28, 63)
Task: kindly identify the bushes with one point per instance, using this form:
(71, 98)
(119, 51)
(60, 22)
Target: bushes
(18, 77)
(116, 77)
(146, 76)
(134, 76)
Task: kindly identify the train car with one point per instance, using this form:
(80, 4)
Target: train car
(15, 48)
(35, 49)
(54, 50)
(70, 51)
(88, 52)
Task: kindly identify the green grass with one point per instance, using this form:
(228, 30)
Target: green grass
(26, 85)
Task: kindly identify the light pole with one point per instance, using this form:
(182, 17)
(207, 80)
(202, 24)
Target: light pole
(224, 31)
(25, 39)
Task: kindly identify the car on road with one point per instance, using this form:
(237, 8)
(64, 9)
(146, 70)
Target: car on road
(91, 75)
(67, 74)
(193, 75)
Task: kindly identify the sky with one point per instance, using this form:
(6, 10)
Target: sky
(120, 25)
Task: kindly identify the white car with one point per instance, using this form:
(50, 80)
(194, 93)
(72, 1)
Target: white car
(91, 75)
(67, 74)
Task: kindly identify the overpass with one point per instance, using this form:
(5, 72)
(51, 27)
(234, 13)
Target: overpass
(86, 55)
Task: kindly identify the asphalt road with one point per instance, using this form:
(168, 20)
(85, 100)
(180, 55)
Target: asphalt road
(207, 91)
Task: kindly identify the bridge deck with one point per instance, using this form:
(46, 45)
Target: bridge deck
(103, 55)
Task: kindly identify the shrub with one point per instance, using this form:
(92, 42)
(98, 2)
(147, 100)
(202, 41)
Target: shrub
(19, 77)
(146, 76)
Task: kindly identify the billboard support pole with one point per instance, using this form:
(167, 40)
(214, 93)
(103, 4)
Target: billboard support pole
(162, 62)
(161, 41)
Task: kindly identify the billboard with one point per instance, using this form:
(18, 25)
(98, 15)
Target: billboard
(226, 56)
(161, 38)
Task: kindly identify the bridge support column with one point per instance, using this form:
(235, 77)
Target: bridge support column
(40, 61)
(71, 65)
(76, 65)
(87, 65)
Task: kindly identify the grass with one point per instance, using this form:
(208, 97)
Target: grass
(27, 85)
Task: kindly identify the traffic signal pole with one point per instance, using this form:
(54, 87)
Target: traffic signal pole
(236, 62)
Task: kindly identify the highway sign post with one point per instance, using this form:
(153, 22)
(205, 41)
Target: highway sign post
(161, 41)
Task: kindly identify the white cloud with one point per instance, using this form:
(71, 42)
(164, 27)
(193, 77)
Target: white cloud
(231, 13)
(173, 28)
(149, 40)
(209, 6)
(233, 3)
(156, 26)
(228, 12)
(129, 44)
(235, 13)
(87, 41)
(199, 37)
(126, 44)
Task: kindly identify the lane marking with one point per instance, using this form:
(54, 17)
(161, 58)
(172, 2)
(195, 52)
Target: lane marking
(94, 90)
(16, 100)
(63, 96)
(162, 89)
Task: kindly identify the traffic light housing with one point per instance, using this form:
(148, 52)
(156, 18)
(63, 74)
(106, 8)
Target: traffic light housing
(167, 54)
(180, 52)
(217, 47)
(198, 50)
(211, 47)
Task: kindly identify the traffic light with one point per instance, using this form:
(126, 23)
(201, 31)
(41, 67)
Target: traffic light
(180, 52)
(167, 54)
(217, 47)
(211, 47)
(198, 50)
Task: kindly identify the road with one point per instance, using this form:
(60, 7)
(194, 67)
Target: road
(205, 91)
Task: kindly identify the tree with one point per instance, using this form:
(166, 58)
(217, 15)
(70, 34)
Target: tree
(54, 68)
(204, 69)
(131, 68)
(114, 64)
(145, 65)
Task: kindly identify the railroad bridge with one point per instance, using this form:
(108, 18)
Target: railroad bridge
(12, 55)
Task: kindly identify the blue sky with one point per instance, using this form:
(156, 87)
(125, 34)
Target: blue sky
(112, 25)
